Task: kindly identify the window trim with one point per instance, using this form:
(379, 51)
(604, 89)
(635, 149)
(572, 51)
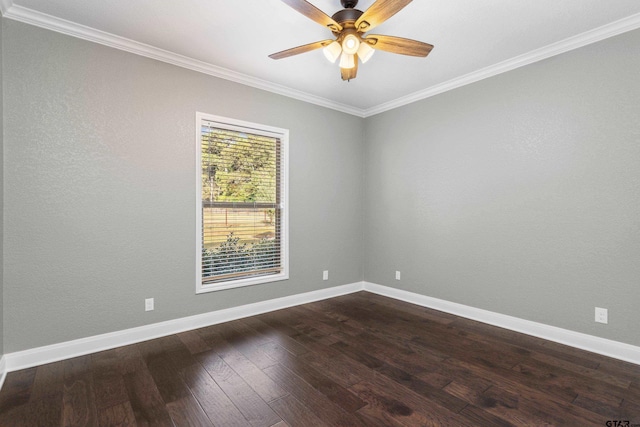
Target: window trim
(259, 129)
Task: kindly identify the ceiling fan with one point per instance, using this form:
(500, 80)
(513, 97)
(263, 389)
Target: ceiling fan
(349, 26)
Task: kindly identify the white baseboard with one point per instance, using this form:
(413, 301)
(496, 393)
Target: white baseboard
(66, 350)
(3, 370)
(52, 353)
(615, 349)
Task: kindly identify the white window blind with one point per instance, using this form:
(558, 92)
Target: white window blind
(242, 204)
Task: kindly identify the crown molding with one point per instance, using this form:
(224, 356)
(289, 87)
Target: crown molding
(5, 5)
(29, 16)
(592, 36)
(43, 20)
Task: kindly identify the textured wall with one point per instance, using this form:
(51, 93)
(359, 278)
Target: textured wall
(100, 188)
(518, 194)
(1, 195)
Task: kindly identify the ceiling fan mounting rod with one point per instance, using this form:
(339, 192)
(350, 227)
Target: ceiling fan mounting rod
(349, 4)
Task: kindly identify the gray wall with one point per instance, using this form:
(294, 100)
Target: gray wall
(518, 194)
(100, 188)
(1, 196)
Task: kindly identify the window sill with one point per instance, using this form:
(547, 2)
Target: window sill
(204, 288)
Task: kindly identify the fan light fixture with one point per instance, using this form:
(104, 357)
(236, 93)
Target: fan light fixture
(351, 45)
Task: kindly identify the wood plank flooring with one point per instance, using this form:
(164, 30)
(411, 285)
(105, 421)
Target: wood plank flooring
(356, 360)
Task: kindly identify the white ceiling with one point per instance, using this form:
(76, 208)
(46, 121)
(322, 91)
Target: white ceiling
(231, 38)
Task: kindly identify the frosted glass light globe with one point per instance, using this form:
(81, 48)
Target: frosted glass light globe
(350, 44)
(332, 51)
(347, 61)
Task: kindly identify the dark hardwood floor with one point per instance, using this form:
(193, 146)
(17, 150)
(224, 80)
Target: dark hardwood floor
(356, 360)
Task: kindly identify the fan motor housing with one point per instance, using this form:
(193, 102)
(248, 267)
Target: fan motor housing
(347, 17)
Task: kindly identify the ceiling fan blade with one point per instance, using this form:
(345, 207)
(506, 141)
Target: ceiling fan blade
(313, 13)
(300, 49)
(398, 45)
(379, 12)
(350, 73)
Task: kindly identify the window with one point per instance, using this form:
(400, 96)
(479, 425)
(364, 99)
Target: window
(242, 203)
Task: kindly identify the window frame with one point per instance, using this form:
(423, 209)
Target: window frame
(257, 129)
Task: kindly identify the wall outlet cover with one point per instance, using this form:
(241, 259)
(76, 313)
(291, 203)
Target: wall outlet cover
(602, 315)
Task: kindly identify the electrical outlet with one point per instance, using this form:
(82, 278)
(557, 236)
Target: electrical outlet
(325, 275)
(148, 304)
(602, 315)
(397, 275)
